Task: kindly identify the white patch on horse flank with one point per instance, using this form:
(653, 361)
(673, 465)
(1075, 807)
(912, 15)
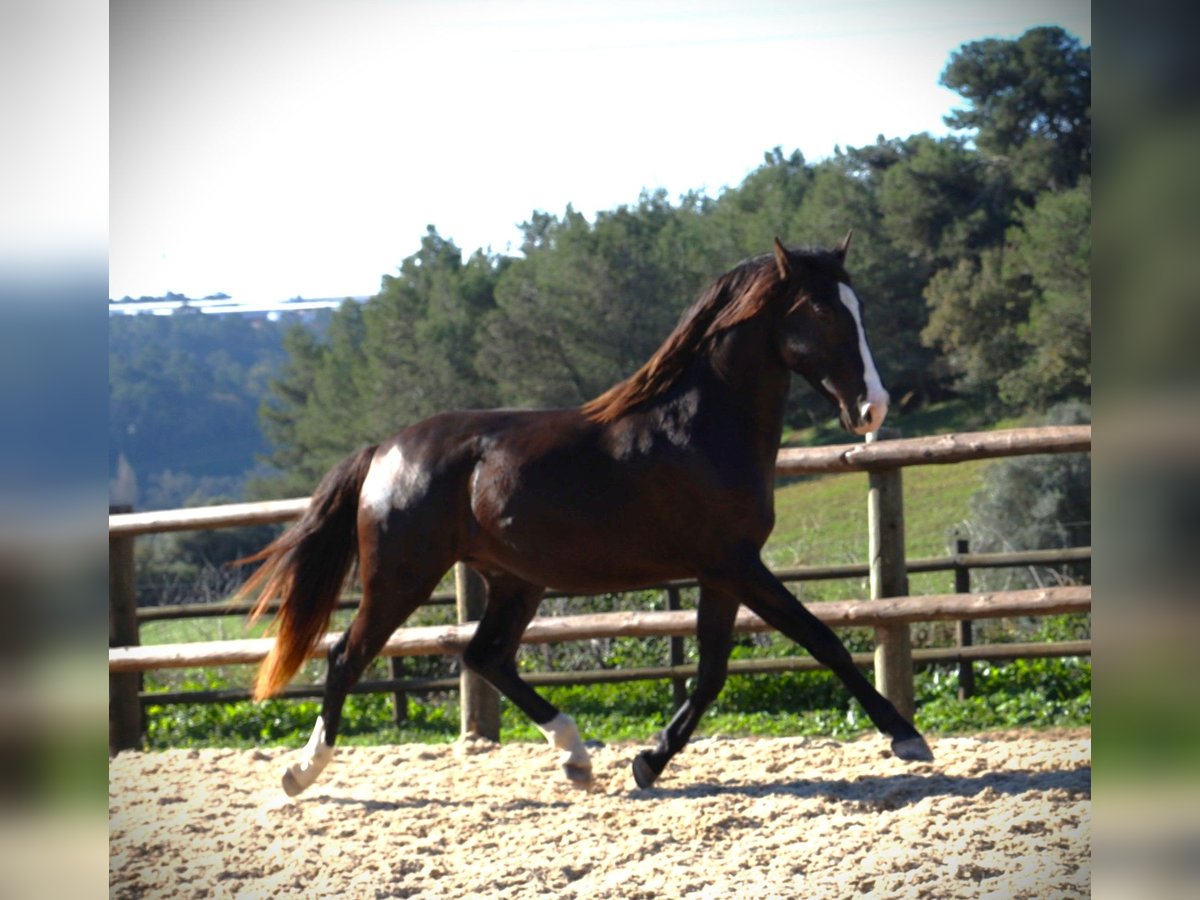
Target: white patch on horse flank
(390, 480)
(562, 734)
(313, 759)
(876, 397)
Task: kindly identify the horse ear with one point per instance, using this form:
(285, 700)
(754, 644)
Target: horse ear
(844, 246)
(783, 263)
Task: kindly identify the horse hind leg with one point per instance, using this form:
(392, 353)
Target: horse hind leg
(492, 653)
(389, 597)
(316, 754)
(563, 734)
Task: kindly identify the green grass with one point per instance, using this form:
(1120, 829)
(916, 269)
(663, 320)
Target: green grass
(818, 520)
(823, 520)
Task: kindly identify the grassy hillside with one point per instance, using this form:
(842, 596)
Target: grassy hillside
(823, 519)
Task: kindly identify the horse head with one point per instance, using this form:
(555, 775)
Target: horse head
(823, 336)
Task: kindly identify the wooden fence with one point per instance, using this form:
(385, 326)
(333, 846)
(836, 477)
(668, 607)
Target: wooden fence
(889, 610)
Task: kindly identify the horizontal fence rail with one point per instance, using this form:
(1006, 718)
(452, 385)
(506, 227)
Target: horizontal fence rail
(799, 573)
(921, 451)
(451, 639)
(937, 450)
(228, 515)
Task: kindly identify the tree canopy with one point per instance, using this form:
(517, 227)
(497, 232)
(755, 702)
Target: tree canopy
(1030, 105)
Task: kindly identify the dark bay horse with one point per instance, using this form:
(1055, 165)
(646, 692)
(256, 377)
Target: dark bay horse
(669, 474)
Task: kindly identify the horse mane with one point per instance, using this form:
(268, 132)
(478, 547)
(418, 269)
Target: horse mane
(734, 297)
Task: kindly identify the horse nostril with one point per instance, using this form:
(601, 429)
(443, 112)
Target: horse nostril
(871, 415)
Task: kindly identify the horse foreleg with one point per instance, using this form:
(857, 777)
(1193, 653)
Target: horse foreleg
(492, 652)
(766, 595)
(715, 614)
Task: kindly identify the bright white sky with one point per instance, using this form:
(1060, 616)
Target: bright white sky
(279, 148)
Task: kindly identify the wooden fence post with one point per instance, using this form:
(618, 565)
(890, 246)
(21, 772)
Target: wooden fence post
(124, 708)
(480, 702)
(679, 689)
(966, 637)
(889, 578)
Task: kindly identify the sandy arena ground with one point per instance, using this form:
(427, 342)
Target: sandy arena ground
(1003, 816)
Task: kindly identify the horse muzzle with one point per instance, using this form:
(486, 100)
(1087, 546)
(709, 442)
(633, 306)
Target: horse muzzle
(866, 416)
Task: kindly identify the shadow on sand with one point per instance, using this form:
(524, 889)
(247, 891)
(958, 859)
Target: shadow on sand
(891, 791)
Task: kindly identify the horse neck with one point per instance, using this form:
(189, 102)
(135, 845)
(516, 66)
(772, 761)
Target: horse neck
(747, 386)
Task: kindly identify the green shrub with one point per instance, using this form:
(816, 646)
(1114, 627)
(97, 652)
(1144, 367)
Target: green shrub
(1035, 693)
(1035, 503)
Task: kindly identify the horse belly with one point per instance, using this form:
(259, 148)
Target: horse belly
(578, 566)
(592, 534)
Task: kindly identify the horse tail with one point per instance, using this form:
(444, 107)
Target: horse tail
(306, 567)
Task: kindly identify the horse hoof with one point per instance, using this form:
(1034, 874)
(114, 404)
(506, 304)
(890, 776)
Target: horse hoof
(913, 749)
(643, 774)
(579, 776)
(291, 786)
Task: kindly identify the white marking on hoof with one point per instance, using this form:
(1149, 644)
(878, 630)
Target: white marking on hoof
(912, 749)
(313, 758)
(563, 735)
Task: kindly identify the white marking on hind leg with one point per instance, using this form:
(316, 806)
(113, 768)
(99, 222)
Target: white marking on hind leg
(313, 758)
(563, 735)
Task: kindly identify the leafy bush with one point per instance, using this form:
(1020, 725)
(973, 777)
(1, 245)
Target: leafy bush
(1035, 503)
(366, 718)
(1025, 693)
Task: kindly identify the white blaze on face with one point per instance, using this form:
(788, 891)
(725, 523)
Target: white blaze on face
(874, 406)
